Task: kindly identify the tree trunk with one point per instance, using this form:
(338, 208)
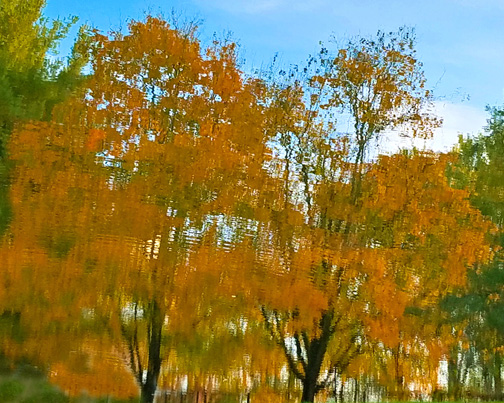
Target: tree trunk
(341, 393)
(454, 387)
(497, 377)
(316, 352)
(364, 387)
(399, 392)
(309, 390)
(487, 382)
(148, 388)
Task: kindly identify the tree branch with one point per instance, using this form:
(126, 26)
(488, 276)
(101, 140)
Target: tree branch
(299, 351)
(279, 338)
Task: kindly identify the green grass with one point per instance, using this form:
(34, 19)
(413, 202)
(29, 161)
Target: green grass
(27, 384)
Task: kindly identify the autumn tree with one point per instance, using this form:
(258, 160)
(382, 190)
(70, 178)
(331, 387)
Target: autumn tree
(169, 139)
(324, 243)
(174, 203)
(169, 117)
(307, 158)
(380, 83)
(419, 225)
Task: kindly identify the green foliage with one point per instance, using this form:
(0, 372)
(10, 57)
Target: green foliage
(31, 82)
(10, 390)
(48, 394)
(479, 309)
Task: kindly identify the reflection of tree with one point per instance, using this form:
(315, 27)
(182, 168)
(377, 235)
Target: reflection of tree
(30, 83)
(476, 312)
(155, 218)
(124, 208)
(342, 237)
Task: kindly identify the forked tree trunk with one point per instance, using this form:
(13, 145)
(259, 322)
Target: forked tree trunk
(315, 354)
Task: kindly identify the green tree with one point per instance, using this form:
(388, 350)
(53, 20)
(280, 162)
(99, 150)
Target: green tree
(480, 168)
(30, 82)
(27, 74)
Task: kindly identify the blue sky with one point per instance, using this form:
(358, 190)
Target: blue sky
(460, 42)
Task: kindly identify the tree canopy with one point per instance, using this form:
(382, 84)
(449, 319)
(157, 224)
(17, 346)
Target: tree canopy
(178, 224)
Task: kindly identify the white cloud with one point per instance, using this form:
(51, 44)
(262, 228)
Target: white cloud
(457, 119)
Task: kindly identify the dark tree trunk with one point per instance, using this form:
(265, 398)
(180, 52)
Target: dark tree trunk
(341, 393)
(309, 391)
(487, 382)
(316, 351)
(305, 363)
(148, 388)
(356, 391)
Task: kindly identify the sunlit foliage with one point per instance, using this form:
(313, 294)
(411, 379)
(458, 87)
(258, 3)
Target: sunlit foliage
(179, 225)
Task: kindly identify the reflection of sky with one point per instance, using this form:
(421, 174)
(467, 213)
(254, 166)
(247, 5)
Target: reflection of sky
(460, 42)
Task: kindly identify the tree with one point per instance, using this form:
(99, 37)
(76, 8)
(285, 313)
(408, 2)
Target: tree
(380, 83)
(478, 308)
(147, 167)
(30, 83)
(412, 237)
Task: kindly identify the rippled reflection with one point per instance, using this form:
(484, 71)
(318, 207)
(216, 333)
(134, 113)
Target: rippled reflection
(181, 232)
